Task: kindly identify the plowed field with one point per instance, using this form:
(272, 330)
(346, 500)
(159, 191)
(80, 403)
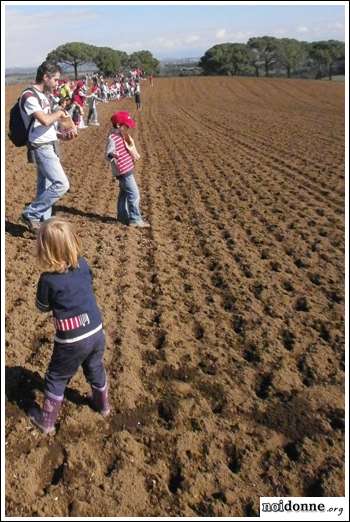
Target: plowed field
(224, 321)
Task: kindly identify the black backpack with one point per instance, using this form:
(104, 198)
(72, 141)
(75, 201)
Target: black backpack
(18, 133)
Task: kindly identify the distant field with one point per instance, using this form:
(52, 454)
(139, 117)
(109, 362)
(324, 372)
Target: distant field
(337, 78)
(224, 321)
(12, 79)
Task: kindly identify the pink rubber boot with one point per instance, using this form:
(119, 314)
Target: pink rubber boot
(99, 400)
(45, 417)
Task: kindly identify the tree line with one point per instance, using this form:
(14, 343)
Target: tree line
(108, 60)
(269, 55)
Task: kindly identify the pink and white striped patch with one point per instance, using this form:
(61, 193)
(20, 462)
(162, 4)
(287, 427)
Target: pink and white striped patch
(72, 323)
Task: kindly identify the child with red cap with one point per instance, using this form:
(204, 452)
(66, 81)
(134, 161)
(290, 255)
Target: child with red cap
(122, 154)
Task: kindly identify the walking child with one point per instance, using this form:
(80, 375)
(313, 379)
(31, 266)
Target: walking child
(122, 154)
(65, 289)
(78, 98)
(92, 118)
(138, 95)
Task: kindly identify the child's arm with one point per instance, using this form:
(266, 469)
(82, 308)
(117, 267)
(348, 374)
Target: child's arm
(110, 150)
(111, 156)
(42, 296)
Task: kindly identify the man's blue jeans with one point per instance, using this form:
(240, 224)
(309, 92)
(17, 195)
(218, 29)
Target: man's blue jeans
(52, 183)
(128, 210)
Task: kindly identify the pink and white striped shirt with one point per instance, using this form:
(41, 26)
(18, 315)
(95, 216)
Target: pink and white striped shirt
(124, 162)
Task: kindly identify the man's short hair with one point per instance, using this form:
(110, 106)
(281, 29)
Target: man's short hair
(48, 68)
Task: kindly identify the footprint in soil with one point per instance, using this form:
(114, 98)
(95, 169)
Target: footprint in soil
(183, 373)
(188, 288)
(249, 509)
(197, 424)
(167, 410)
(299, 263)
(208, 366)
(262, 389)
(176, 478)
(302, 304)
(151, 357)
(280, 237)
(293, 451)
(247, 271)
(323, 330)
(160, 340)
(288, 339)
(204, 508)
(309, 376)
(323, 232)
(275, 266)
(115, 465)
(251, 355)
(143, 335)
(335, 296)
(198, 332)
(315, 279)
(257, 289)
(234, 458)
(213, 265)
(336, 419)
(287, 285)
(215, 394)
(269, 310)
(219, 282)
(318, 485)
(239, 324)
(265, 254)
(229, 303)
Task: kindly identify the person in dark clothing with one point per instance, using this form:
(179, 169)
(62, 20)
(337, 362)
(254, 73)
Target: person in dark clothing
(65, 289)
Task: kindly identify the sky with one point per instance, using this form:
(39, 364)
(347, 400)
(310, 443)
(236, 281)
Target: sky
(168, 31)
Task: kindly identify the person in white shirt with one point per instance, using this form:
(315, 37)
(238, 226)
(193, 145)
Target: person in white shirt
(52, 182)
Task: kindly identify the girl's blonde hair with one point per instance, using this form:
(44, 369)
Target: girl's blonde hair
(58, 247)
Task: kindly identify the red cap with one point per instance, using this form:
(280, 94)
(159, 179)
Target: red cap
(123, 118)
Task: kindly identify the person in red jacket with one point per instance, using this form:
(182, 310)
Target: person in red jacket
(78, 100)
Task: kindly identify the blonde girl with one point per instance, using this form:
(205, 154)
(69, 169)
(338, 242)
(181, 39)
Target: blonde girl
(65, 289)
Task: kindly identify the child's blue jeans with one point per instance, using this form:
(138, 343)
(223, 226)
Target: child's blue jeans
(128, 210)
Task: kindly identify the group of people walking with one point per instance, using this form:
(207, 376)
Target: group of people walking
(75, 95)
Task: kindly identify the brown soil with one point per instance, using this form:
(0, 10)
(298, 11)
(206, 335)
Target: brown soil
(224, 321)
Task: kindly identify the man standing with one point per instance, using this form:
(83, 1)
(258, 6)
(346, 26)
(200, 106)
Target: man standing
(52, 182)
